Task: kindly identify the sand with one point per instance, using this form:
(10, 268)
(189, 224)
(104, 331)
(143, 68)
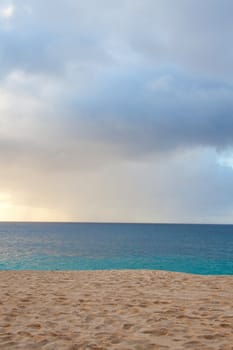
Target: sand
(115, 310)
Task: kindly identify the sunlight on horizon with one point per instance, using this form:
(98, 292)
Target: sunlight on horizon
(9, 211)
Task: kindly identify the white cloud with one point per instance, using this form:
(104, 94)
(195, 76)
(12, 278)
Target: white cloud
(226, 159)
(7, 11)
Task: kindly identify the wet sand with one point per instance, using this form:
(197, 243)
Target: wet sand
(139, 310)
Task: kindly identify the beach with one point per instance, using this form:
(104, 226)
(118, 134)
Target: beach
(96, 310)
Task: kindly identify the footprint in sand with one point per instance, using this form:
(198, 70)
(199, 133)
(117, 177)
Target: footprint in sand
(34, 325)
(127, 326)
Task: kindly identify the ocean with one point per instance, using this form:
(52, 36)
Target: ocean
(198, 249)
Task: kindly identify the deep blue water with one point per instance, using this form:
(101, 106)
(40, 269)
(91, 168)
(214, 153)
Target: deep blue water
(200, 249)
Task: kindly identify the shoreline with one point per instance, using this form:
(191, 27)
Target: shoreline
(115, 309)
(116, 270)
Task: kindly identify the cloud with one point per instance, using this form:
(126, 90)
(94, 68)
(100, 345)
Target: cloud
(186, 35)
(126, 113)
(7, 12)
(93, 95)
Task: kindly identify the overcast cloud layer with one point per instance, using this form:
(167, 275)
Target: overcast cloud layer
(116, 110)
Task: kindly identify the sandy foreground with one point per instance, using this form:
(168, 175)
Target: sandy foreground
(115, 310)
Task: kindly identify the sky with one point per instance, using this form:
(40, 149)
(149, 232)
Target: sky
(118, 111)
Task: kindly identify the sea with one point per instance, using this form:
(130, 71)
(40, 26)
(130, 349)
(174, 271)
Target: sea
(196, 249)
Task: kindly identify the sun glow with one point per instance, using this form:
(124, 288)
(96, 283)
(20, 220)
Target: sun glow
(5, 206)
(10, 211)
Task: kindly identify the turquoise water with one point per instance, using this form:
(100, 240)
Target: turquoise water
(199, 249)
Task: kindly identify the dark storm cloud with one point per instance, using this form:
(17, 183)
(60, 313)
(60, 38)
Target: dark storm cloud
(154, 112)
(129, 115)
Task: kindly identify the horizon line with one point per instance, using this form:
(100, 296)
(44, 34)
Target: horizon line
(110, 222)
